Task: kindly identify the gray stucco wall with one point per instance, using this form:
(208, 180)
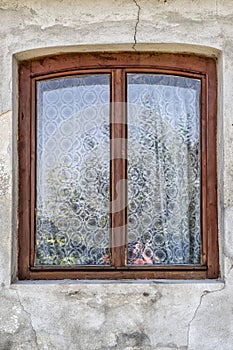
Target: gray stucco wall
(135, 315)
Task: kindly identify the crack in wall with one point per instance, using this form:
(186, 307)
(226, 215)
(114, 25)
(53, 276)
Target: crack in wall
(230, 269)
(204, 293)
(30, 318)
(136, 25)
(228, 265)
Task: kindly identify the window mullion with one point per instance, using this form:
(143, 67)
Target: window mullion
(118, 169)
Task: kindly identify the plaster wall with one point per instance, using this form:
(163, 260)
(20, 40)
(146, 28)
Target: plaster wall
(159, 315)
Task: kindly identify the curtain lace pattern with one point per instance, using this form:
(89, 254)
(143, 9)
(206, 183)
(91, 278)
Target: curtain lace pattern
(163, 169)
(73, 171)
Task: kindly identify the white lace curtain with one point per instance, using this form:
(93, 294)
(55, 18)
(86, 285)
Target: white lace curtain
(164, 169)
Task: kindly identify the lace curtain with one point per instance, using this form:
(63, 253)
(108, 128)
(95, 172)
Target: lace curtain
(73, 170)
(163, 169)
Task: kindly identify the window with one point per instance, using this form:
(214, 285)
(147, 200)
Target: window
(117, 167)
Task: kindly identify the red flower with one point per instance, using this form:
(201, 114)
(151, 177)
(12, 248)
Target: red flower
(139, 261)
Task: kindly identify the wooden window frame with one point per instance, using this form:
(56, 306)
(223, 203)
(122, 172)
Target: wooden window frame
(184, 65)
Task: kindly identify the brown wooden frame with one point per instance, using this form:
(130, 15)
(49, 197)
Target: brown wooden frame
(117, 64)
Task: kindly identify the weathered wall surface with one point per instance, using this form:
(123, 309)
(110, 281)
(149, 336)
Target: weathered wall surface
(139, 315)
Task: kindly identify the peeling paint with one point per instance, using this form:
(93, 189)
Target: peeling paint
(4, 179)
(169, 346)
(4, 114)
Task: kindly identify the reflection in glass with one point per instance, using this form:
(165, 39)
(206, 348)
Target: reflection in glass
(73, 171)
(163, 169)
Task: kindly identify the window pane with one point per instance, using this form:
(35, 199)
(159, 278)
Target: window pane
(163, 169)
(73, 170)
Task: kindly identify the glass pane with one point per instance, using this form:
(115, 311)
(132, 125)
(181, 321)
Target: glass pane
(73, 171)
(163, 169)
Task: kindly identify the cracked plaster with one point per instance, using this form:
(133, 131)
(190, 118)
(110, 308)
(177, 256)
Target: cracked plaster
(136, 25)
(204, 293)
(101, 305)
(130, 316)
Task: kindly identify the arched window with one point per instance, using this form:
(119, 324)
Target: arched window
(117, 167)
